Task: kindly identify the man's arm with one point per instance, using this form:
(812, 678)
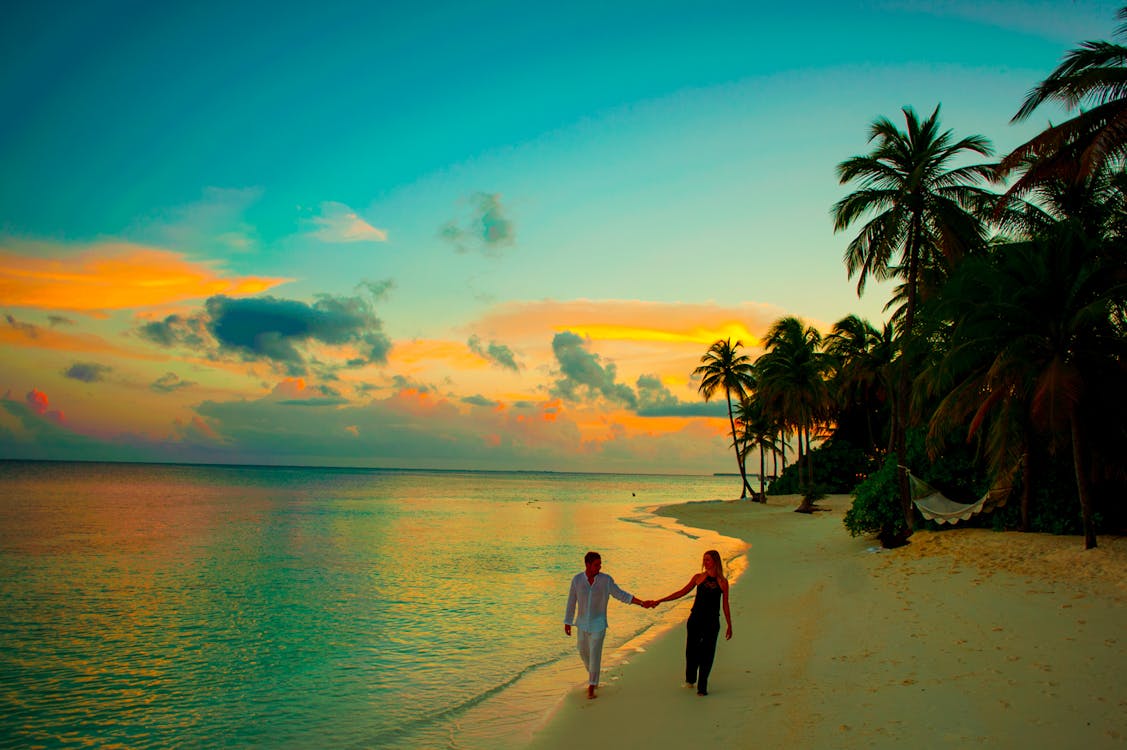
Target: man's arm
(569, 612)
(623, 596)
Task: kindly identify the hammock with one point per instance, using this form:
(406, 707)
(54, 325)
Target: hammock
(935, 507)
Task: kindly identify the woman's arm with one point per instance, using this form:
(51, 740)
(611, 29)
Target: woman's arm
(682, 591)
(727, 612)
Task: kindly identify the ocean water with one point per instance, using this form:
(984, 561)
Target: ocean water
(147, 606)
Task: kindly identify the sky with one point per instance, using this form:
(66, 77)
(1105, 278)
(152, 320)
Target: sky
(489, 235)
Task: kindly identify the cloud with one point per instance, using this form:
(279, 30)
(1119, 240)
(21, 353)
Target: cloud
(378, 290)
(169, 382)
(276, 330)
(115, 276)
(34, 431)
(269, 328)
(296, 392)
(583, 376)
(87, 372)
(414, 428)
(19, 333)
(676, 324)
(498, 354)
(484, 229)
(41, 405)
(216, 223)
(339, 223)
(656, 400)
(197, 431)
(177, 330)
(479, 400)
(27, 329)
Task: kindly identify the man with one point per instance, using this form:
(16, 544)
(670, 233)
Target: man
(590, 591)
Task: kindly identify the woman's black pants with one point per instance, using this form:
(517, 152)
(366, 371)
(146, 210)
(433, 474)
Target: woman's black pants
(700, 650)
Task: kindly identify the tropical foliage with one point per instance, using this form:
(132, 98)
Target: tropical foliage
(1006, 346)
(921, 217)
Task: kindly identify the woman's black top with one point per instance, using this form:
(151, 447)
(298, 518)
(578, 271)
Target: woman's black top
(707, 602)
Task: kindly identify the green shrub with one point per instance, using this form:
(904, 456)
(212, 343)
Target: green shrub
(838, 467)
(876, 505)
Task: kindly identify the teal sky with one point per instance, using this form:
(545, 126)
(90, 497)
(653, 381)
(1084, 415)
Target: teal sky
(457, 221)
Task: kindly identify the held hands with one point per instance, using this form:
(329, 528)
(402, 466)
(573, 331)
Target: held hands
(650, 603)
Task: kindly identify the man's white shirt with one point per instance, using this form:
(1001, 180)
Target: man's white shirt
(591, 600)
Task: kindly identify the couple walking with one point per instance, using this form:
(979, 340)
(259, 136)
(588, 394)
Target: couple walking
(591, 591)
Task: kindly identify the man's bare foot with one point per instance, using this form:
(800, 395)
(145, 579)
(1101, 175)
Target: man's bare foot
(591, 691)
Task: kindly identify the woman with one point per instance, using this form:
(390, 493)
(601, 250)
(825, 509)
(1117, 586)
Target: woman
(704, 620)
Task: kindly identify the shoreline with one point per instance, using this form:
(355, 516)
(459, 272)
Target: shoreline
(513, 716)
(963, 636)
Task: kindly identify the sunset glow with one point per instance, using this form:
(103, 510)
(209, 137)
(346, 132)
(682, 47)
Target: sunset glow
(495, 240)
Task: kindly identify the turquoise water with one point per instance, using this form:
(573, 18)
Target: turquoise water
(198, 607)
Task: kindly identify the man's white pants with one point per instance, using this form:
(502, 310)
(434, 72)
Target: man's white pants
(591, 652)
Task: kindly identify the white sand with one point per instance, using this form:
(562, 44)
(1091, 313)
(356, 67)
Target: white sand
(963, 638)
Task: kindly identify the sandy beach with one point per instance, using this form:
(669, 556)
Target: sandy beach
(963, 638)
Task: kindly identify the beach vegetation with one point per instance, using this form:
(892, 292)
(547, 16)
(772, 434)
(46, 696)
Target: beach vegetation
(792, 384)
(724, 368)
(1004, 355)
(1090, 82)
(862, 359)
(920, 213)
(838, 467)
(876, 507)
(757, 431)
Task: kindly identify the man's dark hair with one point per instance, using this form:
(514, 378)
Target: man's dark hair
(590, 557)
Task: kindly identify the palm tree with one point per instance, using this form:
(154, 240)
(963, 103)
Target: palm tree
(757, 431)
(921, 221)
(1034, 343)
(791, 380)
(862, 358)
(723, 367)
(1091, 80)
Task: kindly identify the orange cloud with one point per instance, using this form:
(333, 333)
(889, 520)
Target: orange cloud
(291, 388)
(697, 335)
(40, 404)
(632, 320)
(114, 276)
(15, 333)
(412, 353)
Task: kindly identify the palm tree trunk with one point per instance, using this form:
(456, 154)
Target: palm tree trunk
(809, 462)
(900, 439)
(1026, 484)
(762, 469)
(1082, 488)
(780, 452)
(736, 446)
